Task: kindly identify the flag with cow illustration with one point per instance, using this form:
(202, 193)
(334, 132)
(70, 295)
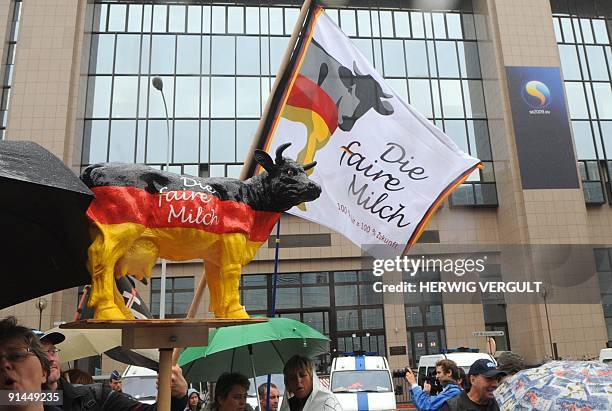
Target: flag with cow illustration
(383, 167)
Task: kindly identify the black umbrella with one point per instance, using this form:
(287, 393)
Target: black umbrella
(43, 230)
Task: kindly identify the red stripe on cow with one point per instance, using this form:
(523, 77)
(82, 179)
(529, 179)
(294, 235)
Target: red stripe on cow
(179, 209)
(307, 94)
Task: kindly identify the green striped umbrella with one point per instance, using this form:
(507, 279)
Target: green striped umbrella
(254, 349)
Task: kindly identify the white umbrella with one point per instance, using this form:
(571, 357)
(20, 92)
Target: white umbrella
(85, 343)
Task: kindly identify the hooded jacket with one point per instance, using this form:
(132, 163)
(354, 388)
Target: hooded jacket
(320, 399)
(426, 402)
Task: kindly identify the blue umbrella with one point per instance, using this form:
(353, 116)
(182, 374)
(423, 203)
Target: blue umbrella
(558, 385)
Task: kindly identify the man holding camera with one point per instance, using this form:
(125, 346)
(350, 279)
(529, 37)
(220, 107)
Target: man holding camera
(446, 374)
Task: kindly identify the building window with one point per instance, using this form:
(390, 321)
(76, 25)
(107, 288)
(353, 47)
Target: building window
(9, 65)
(179, 295)
(494, 307)
(603, 264)
(341, 305)
(424, 318)
(229, 55)
(583, 38)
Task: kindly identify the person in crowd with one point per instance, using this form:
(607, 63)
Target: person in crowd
(194, 402)
(115, 383)
(24, 366)
(76, 376)
(462, 381)
(484, 378)
(511, 363)
(274, 397)
(447, 373)
(303, 390)
(84, 397)
(230, 393)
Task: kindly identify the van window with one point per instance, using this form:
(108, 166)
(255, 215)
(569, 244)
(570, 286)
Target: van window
(361, 381)
(141, 388)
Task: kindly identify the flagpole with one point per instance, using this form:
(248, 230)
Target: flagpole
(257, 138)
(273, 310)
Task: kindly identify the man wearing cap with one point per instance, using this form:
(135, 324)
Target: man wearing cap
(484, 377)
(511, 363)
(115, 382)
(49, 342)
(99, 396)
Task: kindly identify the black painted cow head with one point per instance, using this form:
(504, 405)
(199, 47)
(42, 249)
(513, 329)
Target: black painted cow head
(286, 183)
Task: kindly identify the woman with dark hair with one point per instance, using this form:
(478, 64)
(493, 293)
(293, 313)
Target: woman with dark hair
(76, 376)
(230, 393)
(24, 366)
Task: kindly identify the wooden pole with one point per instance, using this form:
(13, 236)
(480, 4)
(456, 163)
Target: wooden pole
(193, 309)
(165, 379)
(283, 66)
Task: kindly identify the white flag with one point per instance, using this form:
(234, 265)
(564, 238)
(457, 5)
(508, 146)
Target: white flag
(382, 166)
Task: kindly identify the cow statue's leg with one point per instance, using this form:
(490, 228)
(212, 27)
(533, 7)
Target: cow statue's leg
(110, 243)
(237, 251)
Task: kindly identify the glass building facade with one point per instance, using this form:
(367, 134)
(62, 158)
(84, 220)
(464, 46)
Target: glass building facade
(586, 62)
(218, 62)
(583, 33)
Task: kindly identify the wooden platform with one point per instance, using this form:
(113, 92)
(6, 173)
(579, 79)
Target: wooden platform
(168, 322)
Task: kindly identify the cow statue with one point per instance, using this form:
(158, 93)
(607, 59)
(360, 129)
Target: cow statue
(141, 214)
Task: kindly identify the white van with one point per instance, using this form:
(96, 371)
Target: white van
(140, 383)
(605, 355)
(362, 382)
(463, 359)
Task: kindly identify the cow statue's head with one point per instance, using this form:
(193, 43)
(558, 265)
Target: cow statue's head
(286, 181)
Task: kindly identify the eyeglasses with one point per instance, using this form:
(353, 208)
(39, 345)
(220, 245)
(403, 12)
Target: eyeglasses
(17, 354)
(53, 351)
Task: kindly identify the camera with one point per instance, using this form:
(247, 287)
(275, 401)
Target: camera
(436, 388)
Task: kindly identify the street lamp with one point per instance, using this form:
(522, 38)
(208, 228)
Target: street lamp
(544, 293)
(159, 85)
(41, 304)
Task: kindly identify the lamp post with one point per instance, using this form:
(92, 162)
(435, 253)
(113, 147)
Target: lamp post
(159, 85)
(41, 304)
(545, 294)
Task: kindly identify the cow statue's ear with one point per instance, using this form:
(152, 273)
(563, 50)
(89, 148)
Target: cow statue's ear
(264, 160)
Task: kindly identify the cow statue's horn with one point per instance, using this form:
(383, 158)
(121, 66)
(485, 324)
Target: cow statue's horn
(309, 165)
(279, 152)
